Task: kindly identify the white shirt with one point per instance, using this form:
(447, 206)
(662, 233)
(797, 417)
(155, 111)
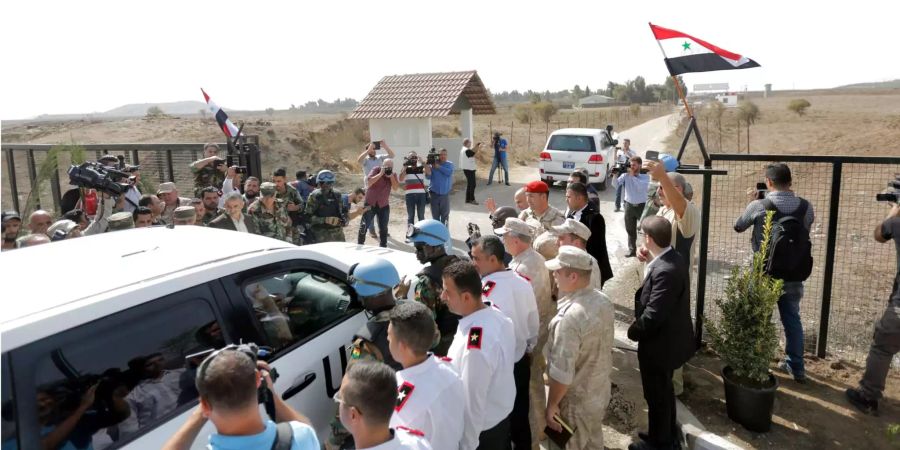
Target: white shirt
(239, 224)
(134, 195)
(514, 296)
(482, 354)
(403, 439)
(465, 162)
(577, 214)
(431, 399)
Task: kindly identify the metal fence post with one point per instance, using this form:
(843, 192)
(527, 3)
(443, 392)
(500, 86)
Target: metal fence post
(170, 166)
(11, 173)
(828, 276)
(32, 177)
(701, 264)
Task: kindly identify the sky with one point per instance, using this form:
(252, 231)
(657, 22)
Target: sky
(92, 56)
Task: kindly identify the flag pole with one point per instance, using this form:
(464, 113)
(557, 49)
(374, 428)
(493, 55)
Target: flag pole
(674, 78)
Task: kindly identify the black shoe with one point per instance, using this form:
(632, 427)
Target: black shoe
(618, 209)
(507, 184)
(857, 399)
(641, 445)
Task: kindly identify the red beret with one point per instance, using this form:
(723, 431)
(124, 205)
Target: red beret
(537, 186)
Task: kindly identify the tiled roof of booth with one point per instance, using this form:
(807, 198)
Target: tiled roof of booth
(424, 95)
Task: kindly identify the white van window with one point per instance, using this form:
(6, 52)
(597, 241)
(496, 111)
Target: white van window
(571, 143)
(292, 306)
(121, 381)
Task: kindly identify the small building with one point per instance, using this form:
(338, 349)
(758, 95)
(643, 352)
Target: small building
(400, 107)
(595, 101)
(730, 100)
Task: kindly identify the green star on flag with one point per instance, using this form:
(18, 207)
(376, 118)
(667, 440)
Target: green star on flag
(686, 46)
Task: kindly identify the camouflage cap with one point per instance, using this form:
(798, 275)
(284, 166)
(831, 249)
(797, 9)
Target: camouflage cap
(515, 225)
(184, 213)
(267, 189)
(166, 187)
(120, 221)
(571, 258)
(572, 226)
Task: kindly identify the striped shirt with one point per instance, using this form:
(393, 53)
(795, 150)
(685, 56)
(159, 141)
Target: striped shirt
(414, 183)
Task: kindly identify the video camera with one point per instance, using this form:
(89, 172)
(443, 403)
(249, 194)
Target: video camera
(432, 157)
(228, 162)
(894, 195)
(254, 352)
(93, 175)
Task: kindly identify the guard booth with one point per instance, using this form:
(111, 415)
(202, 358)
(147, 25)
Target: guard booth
(400, 108)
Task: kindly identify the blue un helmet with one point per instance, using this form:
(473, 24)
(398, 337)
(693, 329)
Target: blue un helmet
(428, 232)
(325, 176)
(374, 277)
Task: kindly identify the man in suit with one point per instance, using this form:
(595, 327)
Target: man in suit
(233, 218)
(580, 209)
(663, 331)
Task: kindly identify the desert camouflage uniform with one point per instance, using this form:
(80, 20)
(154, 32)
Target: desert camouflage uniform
(275, 223)
(579, 354)
(318, 207)
(551, 218)
(210, 215)
(167, 213)
(531, 265)
(209, 175)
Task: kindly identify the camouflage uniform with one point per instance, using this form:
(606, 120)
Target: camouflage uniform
(428, 292)
(579, 354)
(531, 265)
(290, 195)
(209, 175)
(541, 224)
(166, 215)
(318, 207)
(210, 215)
(273, 223)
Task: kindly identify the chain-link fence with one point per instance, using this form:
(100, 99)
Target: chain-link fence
(852, 274)
(35, 175)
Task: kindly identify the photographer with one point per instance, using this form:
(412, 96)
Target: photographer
(781, 199)
(209, 171)
(623, 156)
(499, 144)
(228, 383)
(381, 181)
(467, 163)
(635, 185)
(441, 175)
(412, 175)
(886, 341)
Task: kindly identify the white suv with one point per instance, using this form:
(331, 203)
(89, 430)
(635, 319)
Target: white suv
(576, 148)
(123, 312)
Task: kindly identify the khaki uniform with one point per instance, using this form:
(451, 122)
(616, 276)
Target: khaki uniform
(552, 217)
(166, 215)
(531, 265)
(579, 354)
(274, 222)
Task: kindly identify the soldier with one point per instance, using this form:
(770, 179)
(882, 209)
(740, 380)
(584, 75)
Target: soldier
(482, 353)
(431, 397)
(576, 234)
(168, 193)
(517, 238)
(209, 171)
(210, 198)
(374, 281)
(540, 215)
(120, 221)
(513, 295)
(430, 237)
(292, 203)
(270, 214)
(325, 211)
(579, 352)
(184, 215)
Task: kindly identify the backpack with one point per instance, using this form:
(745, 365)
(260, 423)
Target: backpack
(790, 252)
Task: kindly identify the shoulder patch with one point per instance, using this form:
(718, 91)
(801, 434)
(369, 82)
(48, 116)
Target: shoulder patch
(475, 335)
(488, 287)
(443, 358)
(411, 431)
(524, 276)
(403, 393)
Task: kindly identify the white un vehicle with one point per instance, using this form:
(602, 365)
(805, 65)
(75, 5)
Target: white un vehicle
(568, 149)
(120, 314)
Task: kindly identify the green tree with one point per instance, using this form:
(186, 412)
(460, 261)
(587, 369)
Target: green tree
(587, 91)
(155, 111)
(748, 112)
(799, 106)
(534, 98)
(577, 92)
(545, 110)
(523, 112)
(270, 111)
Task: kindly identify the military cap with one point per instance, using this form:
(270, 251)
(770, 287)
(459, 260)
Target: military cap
(515, 225)
(184, 213)
(572, 226)
(571, 257)
(120, 221)
(165, 187)
(267, 189)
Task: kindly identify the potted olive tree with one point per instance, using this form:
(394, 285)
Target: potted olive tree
(746, 341)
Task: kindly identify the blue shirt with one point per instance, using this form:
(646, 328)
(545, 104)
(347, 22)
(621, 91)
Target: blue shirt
(441, 178)
(634, 187)
(304, 189)
(304, 439)
(345, 200)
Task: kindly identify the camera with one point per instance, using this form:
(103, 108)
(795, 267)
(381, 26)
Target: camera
(94, 175)
(229, 162)
(218, 162)
(894, 195)
(761, 190)
(432, 156)
(377, 145)
(254, 352)
(388, 170)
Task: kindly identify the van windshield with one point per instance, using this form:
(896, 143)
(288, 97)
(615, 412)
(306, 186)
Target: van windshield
(571, 143)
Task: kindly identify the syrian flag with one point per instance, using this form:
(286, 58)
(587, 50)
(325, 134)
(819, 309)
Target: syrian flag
(685, 53)
(221, 118)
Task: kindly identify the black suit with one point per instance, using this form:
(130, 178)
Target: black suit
(596, 244)
(665, 339)
(224, 222)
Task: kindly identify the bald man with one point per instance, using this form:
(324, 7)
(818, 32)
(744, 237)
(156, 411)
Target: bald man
(39, 221)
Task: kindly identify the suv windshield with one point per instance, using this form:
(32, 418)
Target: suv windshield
(571, 143)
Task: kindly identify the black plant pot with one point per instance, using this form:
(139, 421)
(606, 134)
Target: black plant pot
(749, 406)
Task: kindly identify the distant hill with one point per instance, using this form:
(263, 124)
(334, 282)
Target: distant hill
(893, 84)
(140, 109)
